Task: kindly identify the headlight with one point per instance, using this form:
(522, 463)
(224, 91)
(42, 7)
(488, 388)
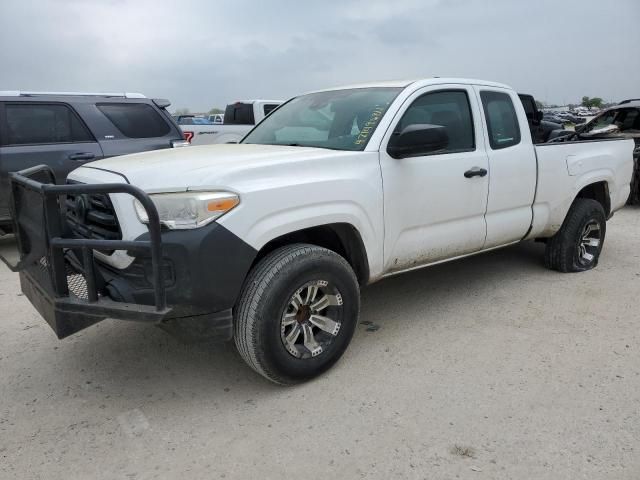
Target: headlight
(188, 210)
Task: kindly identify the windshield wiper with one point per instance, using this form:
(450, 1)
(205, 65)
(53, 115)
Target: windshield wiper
(309, 146)
(298, 145)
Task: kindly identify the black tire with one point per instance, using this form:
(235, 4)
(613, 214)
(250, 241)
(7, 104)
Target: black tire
(564, 250)
(266, 298)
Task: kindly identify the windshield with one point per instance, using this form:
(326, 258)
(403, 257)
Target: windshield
(601, 121)
(338, 119)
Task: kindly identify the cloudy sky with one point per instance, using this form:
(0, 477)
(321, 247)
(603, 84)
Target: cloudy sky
(205, 53)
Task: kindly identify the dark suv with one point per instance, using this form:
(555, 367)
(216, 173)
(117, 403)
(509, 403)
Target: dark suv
(66, 130)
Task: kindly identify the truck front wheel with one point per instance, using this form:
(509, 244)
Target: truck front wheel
(577, 245)
(296, 313)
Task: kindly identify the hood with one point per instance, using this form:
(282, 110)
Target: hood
(179, 169)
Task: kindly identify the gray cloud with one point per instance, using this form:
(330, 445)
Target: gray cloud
(201, 53)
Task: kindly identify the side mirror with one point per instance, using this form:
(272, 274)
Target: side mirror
(418, 139)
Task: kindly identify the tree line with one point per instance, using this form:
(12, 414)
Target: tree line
(186, 111)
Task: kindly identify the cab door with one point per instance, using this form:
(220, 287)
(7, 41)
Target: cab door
(435, 202)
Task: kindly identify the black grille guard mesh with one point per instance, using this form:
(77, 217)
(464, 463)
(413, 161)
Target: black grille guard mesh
(45, 246)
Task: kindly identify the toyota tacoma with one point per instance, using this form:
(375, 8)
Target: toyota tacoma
(269, 241)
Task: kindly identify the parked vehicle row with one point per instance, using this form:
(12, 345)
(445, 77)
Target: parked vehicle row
(564, 118)
(67, 130)
(239, 119)
(268, 242)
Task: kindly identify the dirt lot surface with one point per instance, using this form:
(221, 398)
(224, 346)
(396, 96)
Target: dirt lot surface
(487, 368)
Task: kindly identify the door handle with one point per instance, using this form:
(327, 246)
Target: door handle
(82, 156)
(475, 172)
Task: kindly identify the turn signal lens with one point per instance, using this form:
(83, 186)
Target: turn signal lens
(223, 205)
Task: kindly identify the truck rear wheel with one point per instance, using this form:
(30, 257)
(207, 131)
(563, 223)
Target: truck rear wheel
(577, 245)
(296, 313)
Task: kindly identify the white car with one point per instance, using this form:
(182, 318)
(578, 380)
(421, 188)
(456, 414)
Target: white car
(239, 119)
(269, 241)
(217, 118)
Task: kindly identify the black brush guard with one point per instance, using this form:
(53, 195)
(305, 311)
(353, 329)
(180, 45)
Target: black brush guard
(57, 272)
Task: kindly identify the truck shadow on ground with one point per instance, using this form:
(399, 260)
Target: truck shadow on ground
(127, 358)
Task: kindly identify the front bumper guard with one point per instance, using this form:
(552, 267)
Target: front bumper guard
(57, 271)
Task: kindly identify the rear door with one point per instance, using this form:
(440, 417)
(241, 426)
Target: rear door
(512, 166)
(130, 127)
(42, 133)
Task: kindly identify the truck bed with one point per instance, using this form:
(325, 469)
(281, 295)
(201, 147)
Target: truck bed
(572, 165)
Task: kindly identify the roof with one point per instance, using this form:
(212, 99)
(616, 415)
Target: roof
(631, 103)
(620, 106)
(19, 93)
(418, 83)
(257, 101)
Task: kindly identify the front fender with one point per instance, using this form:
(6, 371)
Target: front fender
(295, 218)
(282, 208)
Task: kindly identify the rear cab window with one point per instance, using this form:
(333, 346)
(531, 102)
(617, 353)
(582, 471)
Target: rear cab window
(135, 120)
(43, 123)
(502, 121)
(529, 106)
(239, 114)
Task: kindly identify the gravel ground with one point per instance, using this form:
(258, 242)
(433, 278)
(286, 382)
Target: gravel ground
(486, 368)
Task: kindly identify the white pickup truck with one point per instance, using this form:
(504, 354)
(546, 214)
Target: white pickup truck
(239, 119)
(269, 241)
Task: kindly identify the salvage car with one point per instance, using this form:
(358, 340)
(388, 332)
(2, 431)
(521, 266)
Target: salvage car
(269, 241)
(66, 130)
(620, 121)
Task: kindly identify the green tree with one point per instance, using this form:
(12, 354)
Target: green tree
(539, 104)
(182, 111)
(215, 110)
(595, 102)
